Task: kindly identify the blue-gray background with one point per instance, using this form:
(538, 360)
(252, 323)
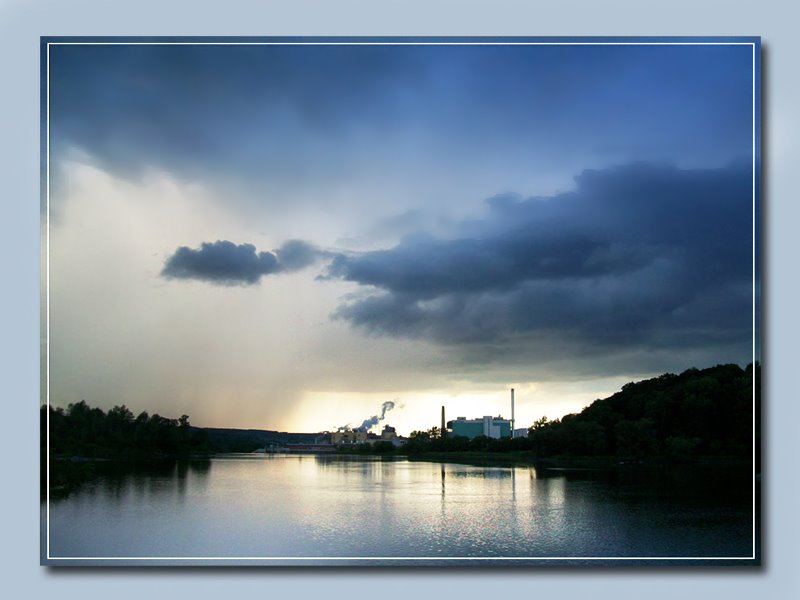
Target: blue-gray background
(21, 24)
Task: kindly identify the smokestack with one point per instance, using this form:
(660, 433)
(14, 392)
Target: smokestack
(512, 413)
(443, 427)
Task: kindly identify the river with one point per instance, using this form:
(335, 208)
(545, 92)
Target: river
(293, 509)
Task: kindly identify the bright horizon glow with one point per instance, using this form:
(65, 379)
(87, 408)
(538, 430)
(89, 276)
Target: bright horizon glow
(319, 411)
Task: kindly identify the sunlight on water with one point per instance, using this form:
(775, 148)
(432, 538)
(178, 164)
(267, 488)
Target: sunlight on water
(323, 506)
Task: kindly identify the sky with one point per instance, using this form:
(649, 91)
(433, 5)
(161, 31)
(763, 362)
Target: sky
(288, 236)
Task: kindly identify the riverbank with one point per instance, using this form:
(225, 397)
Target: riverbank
(574, 462)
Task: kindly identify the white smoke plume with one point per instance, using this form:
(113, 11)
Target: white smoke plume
(368, 424)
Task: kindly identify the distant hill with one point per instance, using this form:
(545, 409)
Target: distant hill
(84, 431)
(248, 440)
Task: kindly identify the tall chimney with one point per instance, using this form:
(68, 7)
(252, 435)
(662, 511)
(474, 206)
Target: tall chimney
(512, 413)
(443, 424)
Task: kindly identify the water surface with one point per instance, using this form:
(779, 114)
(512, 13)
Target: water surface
(289, 506)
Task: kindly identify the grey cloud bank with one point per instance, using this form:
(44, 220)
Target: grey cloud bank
(644, 256)
(640, 258)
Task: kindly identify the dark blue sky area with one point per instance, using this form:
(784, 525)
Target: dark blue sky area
(281, 111)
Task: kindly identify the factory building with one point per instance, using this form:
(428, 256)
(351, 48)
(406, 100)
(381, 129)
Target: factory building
(493, 427)
(356, 436)
(348, 436)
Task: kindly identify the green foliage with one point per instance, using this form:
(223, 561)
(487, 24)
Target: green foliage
(90, 433)
(382, 447)
(699, 412)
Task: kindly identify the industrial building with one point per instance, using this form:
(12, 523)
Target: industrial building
(357, 436)
(388, 434)
(493, 427)
(348, 436)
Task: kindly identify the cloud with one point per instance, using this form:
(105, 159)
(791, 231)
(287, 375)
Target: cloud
(303, 113)
(644, 264)
(642, 256)
(225, 263)
(199, 109)
(296, 254)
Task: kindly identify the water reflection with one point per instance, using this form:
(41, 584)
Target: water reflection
(143, 482)
(443, 482)
(292, 505)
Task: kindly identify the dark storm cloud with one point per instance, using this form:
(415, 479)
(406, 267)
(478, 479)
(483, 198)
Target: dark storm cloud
(644, 255)
(223, 262)
(197, 110)
(220, 262)
(283, 112)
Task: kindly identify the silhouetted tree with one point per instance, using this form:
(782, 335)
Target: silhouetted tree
(89, 432)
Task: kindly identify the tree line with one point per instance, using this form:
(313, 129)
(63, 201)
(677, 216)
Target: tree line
(705, 412)
(83, 431)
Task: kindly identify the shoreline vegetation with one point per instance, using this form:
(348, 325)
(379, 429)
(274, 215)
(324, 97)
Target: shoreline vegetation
(698, 417)
(81, 437)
